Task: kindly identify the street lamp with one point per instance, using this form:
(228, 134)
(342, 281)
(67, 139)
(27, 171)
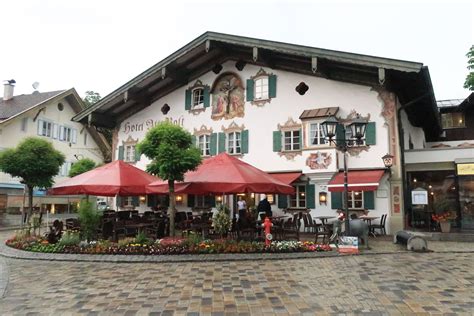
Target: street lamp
(388, 161)
(335, 132)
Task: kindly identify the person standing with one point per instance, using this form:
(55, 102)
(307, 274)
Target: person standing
(242, 207)
(265, 207)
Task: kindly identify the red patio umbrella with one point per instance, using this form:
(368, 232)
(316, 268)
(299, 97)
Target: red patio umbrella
(115, 178)
(224, 174)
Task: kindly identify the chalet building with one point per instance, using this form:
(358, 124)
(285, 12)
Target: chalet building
(264, 102)
(443, 168)
(46, 115)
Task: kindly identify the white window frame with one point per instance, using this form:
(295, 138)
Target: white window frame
(261, 88)
(66, 134)
(129, 153)
(316, 134)
(46, 128)
(197, 95)
(234, 143)
(353, 197)
(65, 168)
(128, 201)
(299, 198)
(448, 121)
(204, 144)
(292, 144)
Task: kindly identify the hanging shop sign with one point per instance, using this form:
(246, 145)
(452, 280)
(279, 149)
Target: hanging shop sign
(149, 123)
(465, 169)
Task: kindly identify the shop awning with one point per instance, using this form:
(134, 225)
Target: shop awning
(286, 177)
(358, 180)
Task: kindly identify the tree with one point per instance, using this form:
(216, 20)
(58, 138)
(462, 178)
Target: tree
(172, 154)
(91, 98)
(35, 161)
(81, 166)
(469, 83)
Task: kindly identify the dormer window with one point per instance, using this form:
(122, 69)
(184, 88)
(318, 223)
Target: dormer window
(197, 98)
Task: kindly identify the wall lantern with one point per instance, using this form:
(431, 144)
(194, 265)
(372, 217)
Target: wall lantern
(219, 198)
(323, 198)
(142, 199)
(179, 199)
(388, 161)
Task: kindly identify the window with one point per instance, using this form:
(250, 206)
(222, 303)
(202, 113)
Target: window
(130, 153)
(261, 88)
(45, 128)
(203, 144)
(128, 201)
(198, 97)
(65, 168)
(24, 124)
(299, 198)
(234, 143)
(355, 200)
(453, 120)
(292, 140)
(65, 134)
(316, 135)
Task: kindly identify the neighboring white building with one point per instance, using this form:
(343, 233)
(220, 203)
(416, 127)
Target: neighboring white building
(279, 95)
(46, 115)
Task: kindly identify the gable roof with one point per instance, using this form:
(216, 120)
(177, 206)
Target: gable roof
(21, 103)
(409, 80)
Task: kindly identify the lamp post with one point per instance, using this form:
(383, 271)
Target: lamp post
(335, 132)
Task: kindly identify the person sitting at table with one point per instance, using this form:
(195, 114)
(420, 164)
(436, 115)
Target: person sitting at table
(265, 207)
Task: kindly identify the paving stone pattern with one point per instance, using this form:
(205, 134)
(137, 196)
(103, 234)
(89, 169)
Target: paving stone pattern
(389, 284)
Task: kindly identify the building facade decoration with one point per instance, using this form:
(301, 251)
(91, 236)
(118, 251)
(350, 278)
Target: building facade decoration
(227, 97)
(203, 130)
(319, 160)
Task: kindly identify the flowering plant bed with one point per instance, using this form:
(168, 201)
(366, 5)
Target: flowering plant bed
(167, 246)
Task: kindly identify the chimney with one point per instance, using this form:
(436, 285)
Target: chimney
(8, 89)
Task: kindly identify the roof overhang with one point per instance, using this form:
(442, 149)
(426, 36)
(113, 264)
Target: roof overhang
(209, 49)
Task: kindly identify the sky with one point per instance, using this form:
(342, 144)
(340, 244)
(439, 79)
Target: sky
(100, 45)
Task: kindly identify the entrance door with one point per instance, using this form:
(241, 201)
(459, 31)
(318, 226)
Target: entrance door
(466, 200)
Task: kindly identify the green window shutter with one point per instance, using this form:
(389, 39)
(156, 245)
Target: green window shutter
(282, 201)
(135, 201)
(272, 86)
(340, 135)
(370, 134)
(210, 201)
(213, 144)
(191, 199)
(310, 196)
(369, 200)
(221, 143)
(187, 101)
(118, 201)
(276, 141)
(120, 153)
(336, 200)
(207, 97)
(245, 141)
(138, 154)
(250, 84)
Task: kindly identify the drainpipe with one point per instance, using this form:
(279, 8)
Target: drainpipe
(402, 149)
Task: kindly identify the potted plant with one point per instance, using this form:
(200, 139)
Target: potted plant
(444, 220)
(221, 221)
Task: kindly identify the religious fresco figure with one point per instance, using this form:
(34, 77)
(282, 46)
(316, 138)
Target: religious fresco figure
(227, 97)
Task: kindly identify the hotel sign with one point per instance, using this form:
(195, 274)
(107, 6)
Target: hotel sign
(149, 123)
(465, 169)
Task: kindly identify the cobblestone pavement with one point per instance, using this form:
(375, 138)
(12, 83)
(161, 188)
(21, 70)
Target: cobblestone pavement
(389, 284)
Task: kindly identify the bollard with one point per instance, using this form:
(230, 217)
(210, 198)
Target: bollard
(413, 242)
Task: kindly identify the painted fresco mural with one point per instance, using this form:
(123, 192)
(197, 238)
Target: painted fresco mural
(227, 97)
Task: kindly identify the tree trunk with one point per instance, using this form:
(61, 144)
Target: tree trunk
(30, 201)
(172, 207)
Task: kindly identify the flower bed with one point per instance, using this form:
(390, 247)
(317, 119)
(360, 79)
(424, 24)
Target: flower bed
(167, 246)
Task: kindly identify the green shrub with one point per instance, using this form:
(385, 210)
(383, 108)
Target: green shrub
(89, 218)
(141, 238)
(70, 238)
(222, 222)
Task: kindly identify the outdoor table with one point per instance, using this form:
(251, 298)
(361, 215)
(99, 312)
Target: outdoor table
(324, 219)
(139, 226)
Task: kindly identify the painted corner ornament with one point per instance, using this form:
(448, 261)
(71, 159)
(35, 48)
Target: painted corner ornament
(227, 97)
(319, 160)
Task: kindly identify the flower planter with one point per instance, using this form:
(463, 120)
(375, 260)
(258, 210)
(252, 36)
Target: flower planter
(445, 227)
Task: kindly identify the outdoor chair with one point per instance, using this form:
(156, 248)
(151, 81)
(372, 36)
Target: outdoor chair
(323, 231)
(158, 230)
(314, 226)
(291, 228)
(380, 226)
(123, 215)
(119, 230)
(107, 229)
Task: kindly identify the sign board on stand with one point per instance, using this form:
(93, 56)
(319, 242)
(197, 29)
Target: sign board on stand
(348, 245)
